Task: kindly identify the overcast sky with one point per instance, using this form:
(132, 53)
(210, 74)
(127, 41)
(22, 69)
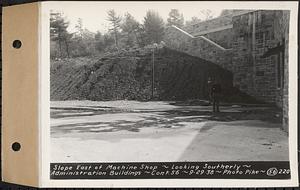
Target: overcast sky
(94, 14)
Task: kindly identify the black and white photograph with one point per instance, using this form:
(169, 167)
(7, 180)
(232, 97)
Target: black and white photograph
(168, 83)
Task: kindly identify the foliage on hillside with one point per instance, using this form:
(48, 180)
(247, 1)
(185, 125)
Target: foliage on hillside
(128, 75)
(124, 32)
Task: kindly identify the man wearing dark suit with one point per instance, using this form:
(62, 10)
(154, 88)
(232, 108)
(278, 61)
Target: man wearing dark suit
(216, 91)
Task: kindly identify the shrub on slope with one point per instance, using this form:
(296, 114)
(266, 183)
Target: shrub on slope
(128, 75)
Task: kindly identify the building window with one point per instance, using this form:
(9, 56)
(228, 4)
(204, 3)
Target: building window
(279, 70)
(267, 35)
(277, 54)
(260, 73)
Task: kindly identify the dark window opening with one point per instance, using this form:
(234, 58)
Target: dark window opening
(260, 73)
(283, 60)
(267, 35)
(280, 68)
(278, 73)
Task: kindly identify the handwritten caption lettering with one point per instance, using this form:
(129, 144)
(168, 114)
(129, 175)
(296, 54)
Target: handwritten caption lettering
(230, 170)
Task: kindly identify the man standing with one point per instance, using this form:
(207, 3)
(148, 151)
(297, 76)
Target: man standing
(215, 93)
(209, 85)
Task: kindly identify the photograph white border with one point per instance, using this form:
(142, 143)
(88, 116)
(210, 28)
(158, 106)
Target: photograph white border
(44, 102)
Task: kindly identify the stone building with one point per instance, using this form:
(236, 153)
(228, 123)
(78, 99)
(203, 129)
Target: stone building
(252, 44)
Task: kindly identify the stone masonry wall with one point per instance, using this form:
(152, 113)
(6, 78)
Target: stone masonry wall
(211, 24)
(199, 47)
(223, 37)
(253, 34)
(250, 36)
(218, 30)
(281, 28)
(218, 23)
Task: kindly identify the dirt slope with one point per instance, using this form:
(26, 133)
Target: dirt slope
(128, 75)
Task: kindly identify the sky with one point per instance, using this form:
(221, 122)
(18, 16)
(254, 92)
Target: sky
(94, 14)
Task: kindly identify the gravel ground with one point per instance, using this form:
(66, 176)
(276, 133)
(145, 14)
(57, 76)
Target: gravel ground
(116, 131)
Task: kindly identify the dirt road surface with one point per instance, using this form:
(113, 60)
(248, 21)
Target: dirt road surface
(123, 131)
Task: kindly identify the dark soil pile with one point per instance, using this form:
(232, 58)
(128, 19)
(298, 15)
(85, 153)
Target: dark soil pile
(128, 75)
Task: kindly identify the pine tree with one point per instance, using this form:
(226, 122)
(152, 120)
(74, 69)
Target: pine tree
(154, 27)
(207, 14)
(193, 20)
(59, 33)
(130, 27)
(115, 22)
(227, 12)
(99, 41)
(79, 28)
(175, 18)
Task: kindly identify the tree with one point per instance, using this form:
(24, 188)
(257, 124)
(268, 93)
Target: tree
(115, 22)
(108, 40)
(131, 27)
(84, 45)
(79, 28)
(175, 18)
(79, 48)
(226, 12)
(154, 27)
(129, 24)
(194, 20)
(59, 33)
(99, 41)
(207, 14)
